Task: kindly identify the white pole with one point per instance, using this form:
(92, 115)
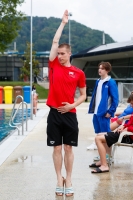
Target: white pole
(31, 100)
(103, 37)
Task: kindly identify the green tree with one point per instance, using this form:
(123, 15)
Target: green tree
(25, 70)
(10, 20)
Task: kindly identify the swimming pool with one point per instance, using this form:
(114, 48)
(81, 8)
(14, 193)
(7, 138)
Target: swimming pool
(5, 114)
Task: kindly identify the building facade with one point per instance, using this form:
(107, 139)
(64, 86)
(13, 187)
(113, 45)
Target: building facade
(11, 63)
(120, 55)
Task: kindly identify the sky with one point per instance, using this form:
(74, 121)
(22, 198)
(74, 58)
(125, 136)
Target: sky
(114, 17)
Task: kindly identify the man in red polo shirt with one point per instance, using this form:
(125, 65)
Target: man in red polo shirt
(62, 124)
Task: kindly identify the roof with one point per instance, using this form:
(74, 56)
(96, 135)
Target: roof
(106, 49)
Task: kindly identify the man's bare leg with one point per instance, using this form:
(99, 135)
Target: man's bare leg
(68, 160)
(57, 158)
(101, 145)
(114, 125)
(108, 149)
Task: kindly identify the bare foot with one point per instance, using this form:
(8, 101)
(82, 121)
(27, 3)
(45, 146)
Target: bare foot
(98, 163)
(60, 182)
(68, 188)
(60, 187)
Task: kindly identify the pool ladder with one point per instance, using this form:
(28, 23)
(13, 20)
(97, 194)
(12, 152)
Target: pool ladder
(13, 115)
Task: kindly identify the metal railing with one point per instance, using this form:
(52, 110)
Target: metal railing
(44, 82)
(40, 79)
(125, 90)
(13, 115)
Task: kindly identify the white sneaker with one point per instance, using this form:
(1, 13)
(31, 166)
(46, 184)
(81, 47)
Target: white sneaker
(93, 146)
(97, 158)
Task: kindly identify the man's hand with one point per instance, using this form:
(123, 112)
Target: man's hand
(63, 109)
(65, 17)
(107, 115)
(120, 129)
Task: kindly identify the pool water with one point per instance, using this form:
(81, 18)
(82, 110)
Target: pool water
(5, 115)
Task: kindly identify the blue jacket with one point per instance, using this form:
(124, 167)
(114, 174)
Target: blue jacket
(127, 111)
(109, 99)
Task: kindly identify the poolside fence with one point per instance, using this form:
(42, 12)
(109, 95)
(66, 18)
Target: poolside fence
(125, 90)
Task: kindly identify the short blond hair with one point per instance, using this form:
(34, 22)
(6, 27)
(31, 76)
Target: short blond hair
(67, 46)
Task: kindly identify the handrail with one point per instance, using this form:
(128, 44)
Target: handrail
(40, 79)
(13, 115)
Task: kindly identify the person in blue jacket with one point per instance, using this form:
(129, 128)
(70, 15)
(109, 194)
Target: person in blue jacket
(104, 100)
(120, 115)
(128, 110)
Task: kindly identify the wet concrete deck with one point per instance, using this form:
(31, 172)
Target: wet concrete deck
(28, 171)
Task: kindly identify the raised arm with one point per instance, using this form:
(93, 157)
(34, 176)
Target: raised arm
(55, 44)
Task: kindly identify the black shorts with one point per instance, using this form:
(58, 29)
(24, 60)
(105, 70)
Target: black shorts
(112, 138)
(62, 128)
